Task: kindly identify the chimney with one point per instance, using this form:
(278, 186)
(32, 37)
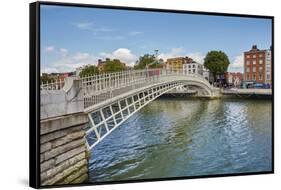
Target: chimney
(254, 47)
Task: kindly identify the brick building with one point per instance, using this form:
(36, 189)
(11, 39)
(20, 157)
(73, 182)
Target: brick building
(258, 65)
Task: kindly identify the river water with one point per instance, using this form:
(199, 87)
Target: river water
(187, 137)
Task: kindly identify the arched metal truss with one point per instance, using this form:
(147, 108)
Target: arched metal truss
(111, 98)
(104, 120)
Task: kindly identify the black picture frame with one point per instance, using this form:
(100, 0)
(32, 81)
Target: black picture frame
(34, 90)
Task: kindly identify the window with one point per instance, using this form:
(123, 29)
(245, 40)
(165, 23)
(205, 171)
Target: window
(254, 56)
(248, 62)
(248, 69)
(260, 61)
(193, 66)
(254, 62)
(254, 69)
(261, 55)
(260, 68)
(193, 70)
(189, 66)
(248, 56)
(260, 76)
(254, 76)
(267, 76)
(248, 77)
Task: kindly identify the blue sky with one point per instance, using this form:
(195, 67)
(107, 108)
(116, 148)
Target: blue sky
(73, 36)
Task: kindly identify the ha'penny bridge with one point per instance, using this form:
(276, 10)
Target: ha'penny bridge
(78, 113)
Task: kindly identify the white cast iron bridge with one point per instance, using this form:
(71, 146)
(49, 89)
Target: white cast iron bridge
(110, 99)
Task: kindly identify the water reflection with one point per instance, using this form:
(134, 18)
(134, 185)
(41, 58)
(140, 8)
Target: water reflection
(172, 137)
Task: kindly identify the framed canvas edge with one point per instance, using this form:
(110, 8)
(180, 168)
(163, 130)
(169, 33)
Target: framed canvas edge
(34, 95)
(34, 91)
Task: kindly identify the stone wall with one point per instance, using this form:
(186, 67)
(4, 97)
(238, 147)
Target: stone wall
(63, 151)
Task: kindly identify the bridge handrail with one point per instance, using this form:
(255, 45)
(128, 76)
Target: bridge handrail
(124, 77)
(100, 82)
(53, 85)
(100, 87)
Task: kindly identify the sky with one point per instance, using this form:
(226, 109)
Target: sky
(75, 36)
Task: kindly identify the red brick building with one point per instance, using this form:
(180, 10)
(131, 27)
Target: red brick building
(257, 65)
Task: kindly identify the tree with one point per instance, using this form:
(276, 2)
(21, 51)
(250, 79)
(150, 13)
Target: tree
(146, 60)
(217, 62)
(45, 78)
(114, 65)
(88, 70)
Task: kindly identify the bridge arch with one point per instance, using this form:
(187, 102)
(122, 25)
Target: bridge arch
(107, 114)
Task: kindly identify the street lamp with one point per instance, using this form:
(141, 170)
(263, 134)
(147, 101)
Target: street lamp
(156, 52)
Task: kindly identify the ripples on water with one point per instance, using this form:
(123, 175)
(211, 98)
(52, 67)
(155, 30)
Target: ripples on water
(175, 138)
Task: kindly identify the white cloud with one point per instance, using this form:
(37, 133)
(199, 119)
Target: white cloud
(197, 56)
(81, 56)
(63, 51)
(102, 29)
(179, 52)
(175, 52)
(89, 26)
(69, 63)
(84, 25)
(49, 70)
(109, 37)
(123, 54)
(237, 64)
(49, 49)
(134, 33)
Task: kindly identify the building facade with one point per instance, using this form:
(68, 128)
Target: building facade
(101, 64)
(188, 66)
(268, 66)
(177, 63)
(257, 65)
(233, 79)
(192, 68)
(206, 73)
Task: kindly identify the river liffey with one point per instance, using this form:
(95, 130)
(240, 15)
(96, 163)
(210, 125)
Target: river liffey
(180, 137)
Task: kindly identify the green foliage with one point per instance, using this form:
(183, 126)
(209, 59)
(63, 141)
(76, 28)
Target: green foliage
(114, 65)
(217, 62)
(88, 70)
(45, 78)
(145, 60)
(155, 65)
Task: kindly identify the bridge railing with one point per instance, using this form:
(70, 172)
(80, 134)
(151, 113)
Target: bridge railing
(98, 88)
(101, 87)
(108, 81)
(54, 85)
(104, 86)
